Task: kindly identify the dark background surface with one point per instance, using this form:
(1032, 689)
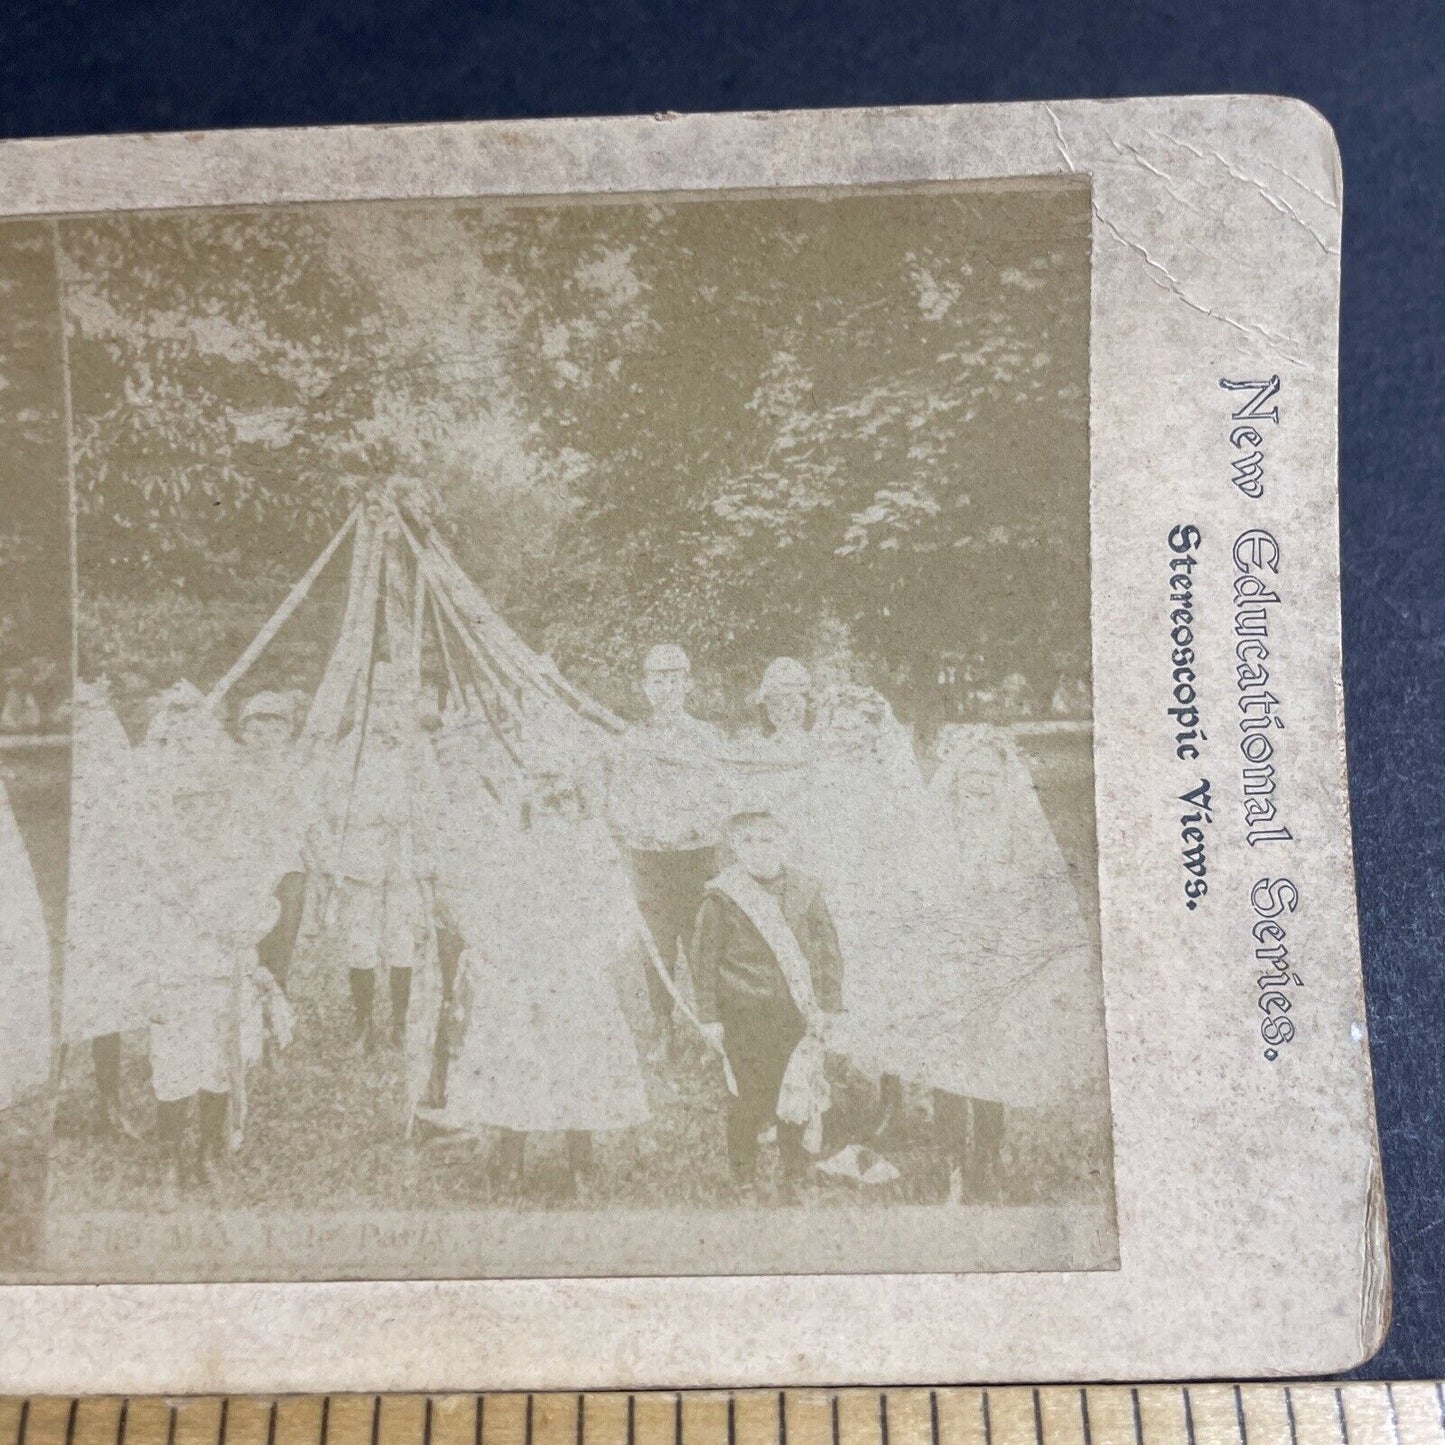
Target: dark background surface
(1375, 70)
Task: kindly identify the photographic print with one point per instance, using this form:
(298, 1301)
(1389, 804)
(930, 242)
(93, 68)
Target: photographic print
(35, 678)
(699, 750)
(582, 734)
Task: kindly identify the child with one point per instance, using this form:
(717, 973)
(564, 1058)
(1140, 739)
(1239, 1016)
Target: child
(768, 972)
(545, 1047)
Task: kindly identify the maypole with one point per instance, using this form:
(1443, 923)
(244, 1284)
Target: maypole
(282, 614)
(68, 416)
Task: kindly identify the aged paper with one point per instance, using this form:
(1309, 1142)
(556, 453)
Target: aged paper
(667, 733)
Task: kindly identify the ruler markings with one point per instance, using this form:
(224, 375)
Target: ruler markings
(1011, 1415)
(960, 1417)
(909, 1417)
(1060, 1420)
(1365, 1417)
(1417, 1413)
(1304, 1413)
(702, 1419)
(1314, 1415)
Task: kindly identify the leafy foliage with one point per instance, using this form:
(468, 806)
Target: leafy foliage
(848, 426)
(34, 501)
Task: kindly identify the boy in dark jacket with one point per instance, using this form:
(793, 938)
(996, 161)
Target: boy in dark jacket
(768, 971)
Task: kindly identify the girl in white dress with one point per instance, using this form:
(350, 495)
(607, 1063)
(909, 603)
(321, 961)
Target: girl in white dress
(545, 1047)
(110, 910)
(887, 855)
(1033, 1027)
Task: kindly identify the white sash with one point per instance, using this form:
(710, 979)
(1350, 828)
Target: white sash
(765, 913)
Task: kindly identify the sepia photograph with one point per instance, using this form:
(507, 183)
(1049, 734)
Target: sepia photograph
(581, 755)
(35, 689)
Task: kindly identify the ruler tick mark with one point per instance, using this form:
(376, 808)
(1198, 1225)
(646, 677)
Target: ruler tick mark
(1289, 1411)
(221, 1425)
(1239, 1417)
(477, 1421)
(883, 1419)
(1084, 1416)
(1188, 1417)
(676, 1421)
(581, 1418)
(1440, 1401)
(527, 1435)
(23, 1427)
(1038, 1419)
(987, 1421)
(782, 1418)
(836, 1432)
(426, 1422)
(1138, 1423)
(631, 1421)
(70, 1422)
(376, 1419)
(171, 1426)
(325, 1418)
(1340, 1411)
(120, 1424)
(1394, 1413)
(271, 1425)
(933, 1417)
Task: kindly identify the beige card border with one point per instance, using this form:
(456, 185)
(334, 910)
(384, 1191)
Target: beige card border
(1247, 1191)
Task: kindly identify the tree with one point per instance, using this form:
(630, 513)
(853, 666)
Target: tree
(221, 368)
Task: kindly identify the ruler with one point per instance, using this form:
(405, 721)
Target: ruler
(1218, 1414)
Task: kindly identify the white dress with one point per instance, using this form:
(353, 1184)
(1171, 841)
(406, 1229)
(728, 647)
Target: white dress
(214, 904)
(24, 969)
(110, 910)
(893, 878)
(1033, 1031)
(545, 1045)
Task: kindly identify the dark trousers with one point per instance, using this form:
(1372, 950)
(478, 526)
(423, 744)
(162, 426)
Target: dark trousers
(759, 1039)
(669, 888)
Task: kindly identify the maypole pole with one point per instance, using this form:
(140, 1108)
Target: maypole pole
(68, 417)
